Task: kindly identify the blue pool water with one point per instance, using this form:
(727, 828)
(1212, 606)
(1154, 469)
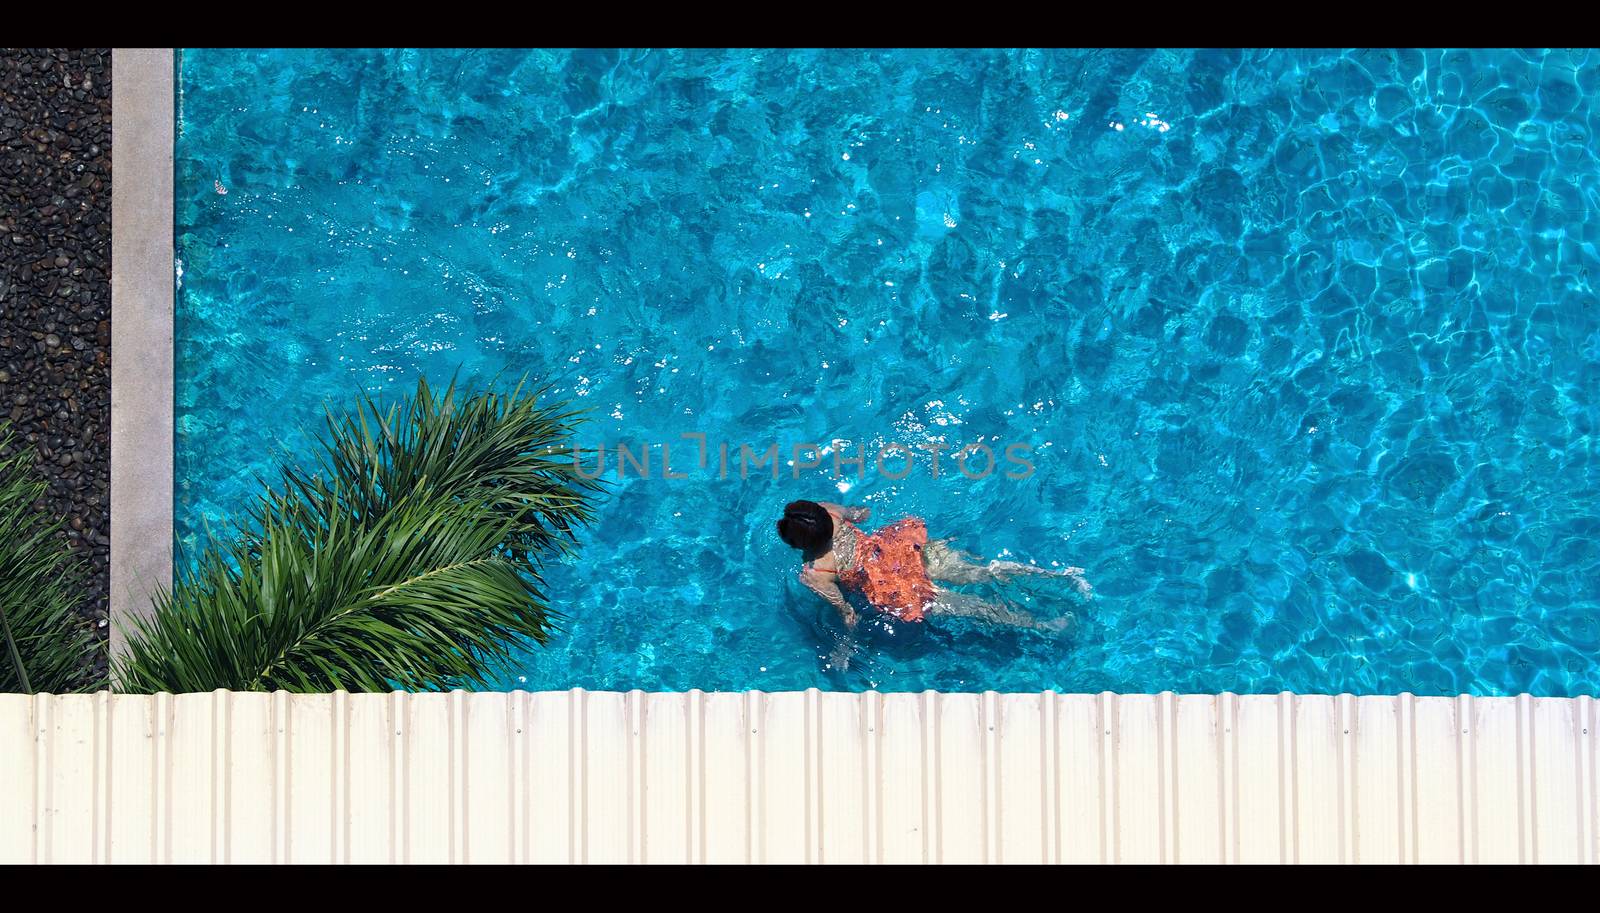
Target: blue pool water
(1306, 344)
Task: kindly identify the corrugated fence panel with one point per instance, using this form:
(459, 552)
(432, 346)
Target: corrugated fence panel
(1498, 787)
(551, 777)
(1080, 780)
(726, 736)
(958, 776)
(839, 736)
(371, 813)
(606, 819)
(1198, 777)
(1557, 804)
(1138, 779)
(488, 825)
(19, 811)
(249, 790)
(1439, 791)
(902, 780)
(427, 789)
(134, 776)
(1262, 800)
(1381, 810)
(194, 793)
(1022, 800)
(1589, 754)
(800, 777)
(667, 833)
(68, 772)
(1318, 780)
(786, 828)
(310, 802)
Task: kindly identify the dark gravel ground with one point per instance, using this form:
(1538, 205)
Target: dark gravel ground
(55, 290)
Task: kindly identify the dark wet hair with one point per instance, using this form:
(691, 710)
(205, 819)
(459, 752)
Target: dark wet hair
(807, 527)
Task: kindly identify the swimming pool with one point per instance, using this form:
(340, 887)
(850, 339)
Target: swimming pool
(1304, 345)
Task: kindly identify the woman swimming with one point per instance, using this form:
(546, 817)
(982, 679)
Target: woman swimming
(895, 568)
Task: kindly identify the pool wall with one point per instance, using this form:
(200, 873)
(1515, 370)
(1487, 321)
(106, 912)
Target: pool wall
(804, 777)
(141, 331)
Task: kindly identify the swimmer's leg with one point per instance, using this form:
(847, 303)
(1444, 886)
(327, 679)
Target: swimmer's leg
(964, 605)
(949, 564)
(952, 565)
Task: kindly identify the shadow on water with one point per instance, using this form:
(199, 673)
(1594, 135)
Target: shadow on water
(881, 646)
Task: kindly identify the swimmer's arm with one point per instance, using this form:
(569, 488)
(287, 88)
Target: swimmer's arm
(826, 585)
(853, 514)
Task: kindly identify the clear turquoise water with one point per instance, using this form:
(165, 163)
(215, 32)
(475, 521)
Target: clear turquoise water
(1312, 374)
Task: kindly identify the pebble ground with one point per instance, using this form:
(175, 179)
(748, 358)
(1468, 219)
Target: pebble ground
(55, 291)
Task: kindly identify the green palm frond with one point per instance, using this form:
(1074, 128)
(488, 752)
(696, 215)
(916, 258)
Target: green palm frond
(44, 646)
(407, 554)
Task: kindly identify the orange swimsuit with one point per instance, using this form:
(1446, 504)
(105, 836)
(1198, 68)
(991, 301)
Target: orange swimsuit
(888, 569)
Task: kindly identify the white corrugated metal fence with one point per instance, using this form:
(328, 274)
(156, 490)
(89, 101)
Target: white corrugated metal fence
(797, 777)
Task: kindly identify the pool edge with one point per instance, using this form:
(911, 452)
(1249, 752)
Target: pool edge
(142, 293)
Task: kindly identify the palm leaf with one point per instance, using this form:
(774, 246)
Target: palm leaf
(46, 646)
(407, 554)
